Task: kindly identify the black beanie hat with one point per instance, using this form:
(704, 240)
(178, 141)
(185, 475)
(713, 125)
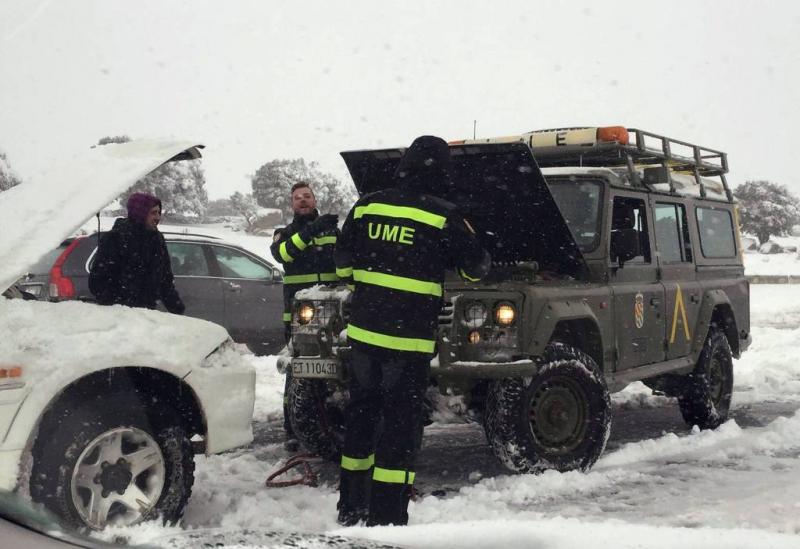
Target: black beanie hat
(427, 156)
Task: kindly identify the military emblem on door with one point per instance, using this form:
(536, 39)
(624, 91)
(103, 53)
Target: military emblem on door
(638, 310)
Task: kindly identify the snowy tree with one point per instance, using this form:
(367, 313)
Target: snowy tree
(179, 185)
(766, 208)
(273, 181)
(246, 206)
(8, 178)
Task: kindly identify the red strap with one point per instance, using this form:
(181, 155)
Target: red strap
(309, 478)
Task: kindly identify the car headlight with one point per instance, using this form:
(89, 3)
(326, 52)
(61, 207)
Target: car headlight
(305, 313)
(504, 314)
(475, 315)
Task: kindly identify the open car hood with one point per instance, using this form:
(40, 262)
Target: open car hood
(38, 214)
(501, 191)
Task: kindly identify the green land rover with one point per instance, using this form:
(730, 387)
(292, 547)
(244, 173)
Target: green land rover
(616, 258)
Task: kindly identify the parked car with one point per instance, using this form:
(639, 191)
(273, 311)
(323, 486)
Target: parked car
(102, 409)
(217, 281)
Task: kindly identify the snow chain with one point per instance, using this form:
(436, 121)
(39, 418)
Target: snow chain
(309, 477)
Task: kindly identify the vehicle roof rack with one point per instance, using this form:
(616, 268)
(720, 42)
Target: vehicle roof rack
(630, 148)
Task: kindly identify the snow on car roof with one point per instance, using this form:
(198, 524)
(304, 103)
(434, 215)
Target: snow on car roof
(39, 213)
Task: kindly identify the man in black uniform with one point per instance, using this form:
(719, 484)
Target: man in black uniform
(305, 249)
(396, 244)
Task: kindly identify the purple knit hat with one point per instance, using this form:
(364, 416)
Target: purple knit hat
(140, 204)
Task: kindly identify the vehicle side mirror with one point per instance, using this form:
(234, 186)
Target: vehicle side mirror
(277, 276)
(625, 245)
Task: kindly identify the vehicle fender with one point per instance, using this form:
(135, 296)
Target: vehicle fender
(715, 300)
(573, 311)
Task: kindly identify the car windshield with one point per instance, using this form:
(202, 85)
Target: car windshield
(579, 200)
(492, 274)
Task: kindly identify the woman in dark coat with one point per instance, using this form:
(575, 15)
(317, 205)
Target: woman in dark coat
(132, 266)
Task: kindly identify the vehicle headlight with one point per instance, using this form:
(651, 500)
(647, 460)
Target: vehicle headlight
(504, 314)
(475, 315)
(305, 313)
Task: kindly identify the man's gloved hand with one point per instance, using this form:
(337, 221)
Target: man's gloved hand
(324, 223)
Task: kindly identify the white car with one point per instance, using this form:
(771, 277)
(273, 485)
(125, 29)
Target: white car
(103, 408)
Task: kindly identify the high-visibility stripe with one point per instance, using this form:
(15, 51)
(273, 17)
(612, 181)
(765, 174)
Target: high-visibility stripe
(314, 277)
(322, 240)
(284, 254)
(390, 342)
(404, 212)
(393, 476)
(398, 282)
(358, 464)
(301, 279)
(351, 287)
(287, 317)
(344, 272)
(465, 276)
(297, 241)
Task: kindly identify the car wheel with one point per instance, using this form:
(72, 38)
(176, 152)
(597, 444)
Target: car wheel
(110, 461)
(706, 397)
(559, 419)
(316, 412)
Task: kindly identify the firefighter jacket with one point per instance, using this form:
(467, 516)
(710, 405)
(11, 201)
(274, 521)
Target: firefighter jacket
(307, 258)
(396, 245)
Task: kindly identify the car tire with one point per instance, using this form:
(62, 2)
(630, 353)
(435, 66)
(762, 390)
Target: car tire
(706, 396)
(111, 460)
(316, 413)
(558, 419)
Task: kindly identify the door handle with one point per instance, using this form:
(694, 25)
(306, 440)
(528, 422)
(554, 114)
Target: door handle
(654, 301)
(694, 298)
(234, 287)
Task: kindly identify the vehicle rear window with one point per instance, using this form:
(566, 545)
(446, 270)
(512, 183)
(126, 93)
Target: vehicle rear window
(44, 265)
(716, 232)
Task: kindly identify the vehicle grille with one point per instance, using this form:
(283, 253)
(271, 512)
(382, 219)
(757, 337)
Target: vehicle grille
(446, 314)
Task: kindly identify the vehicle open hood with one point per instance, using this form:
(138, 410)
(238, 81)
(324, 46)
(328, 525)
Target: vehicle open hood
(501, 191)
(38, 214)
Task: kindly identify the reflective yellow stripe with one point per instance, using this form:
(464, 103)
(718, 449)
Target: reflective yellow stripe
(344, 272)
(398, 282)
(351, 287)
(300, 279)
(393, 476)
(287, 317)
(314, 277)
(390, 342)
(405, 212)
(322, 240)
(284, 254)
(358, 464)
(465, 276)
(297, 241)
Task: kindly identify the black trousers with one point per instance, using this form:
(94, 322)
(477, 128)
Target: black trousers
(383, 427)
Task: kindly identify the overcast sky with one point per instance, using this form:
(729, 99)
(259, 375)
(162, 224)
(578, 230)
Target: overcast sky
(261, 80)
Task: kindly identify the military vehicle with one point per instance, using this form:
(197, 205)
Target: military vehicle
(616, 258)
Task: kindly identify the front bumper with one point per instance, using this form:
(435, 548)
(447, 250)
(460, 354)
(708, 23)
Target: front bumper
(227, 397)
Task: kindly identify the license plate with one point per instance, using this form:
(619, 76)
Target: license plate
(326, 368)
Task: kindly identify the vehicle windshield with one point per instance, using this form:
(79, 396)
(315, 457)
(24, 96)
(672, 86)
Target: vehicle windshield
(579, 200)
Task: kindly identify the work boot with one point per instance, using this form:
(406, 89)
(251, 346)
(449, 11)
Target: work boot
(388, 504)
(351, 516)
(291, 444)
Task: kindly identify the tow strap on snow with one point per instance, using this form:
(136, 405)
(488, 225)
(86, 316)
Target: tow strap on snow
(309, 477)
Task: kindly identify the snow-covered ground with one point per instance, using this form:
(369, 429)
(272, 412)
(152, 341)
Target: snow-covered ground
(659, 484)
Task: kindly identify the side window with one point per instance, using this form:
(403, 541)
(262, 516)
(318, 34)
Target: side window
(672, 235)
(235, 264)
(187, 259)
(716, 232)
(631, 214)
